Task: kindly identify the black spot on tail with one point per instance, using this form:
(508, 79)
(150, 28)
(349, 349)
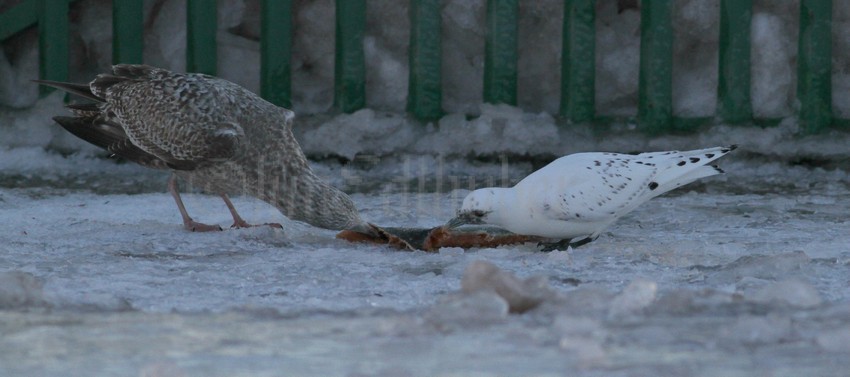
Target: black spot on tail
(694, 160)
(681, 163)
(719, 170)
(653, 185)
(709, 155)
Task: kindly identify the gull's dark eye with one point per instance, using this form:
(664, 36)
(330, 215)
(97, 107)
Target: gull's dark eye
(478, 213)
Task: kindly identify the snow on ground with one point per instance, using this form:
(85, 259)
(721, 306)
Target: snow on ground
(742, 273)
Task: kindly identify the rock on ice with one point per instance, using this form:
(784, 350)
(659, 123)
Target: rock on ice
(521, 295)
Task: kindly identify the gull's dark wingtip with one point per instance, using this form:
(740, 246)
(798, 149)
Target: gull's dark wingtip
(728, 149)
(718, 169)
(82, 90)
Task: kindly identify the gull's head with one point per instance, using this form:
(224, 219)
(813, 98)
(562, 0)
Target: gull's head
(478, 208)
(368, 229)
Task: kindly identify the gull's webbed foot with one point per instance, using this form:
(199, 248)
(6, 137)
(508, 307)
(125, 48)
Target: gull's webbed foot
(552, 246)
(239, 224)
(563, 244)
(194, 226)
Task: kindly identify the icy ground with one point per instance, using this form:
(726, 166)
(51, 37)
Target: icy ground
(742, 274)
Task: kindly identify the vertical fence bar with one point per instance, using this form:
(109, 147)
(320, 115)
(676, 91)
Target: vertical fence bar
(276, 51)
(127, 31)
(200, 34)
(578, 61)
(814, 65)
(655, 107)
(52, 41)
(350, 67)
(425, 95)
(500, 52)
(18, 18)
(734, 104)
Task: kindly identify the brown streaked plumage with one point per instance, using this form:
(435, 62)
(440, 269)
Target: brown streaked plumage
(210, 132)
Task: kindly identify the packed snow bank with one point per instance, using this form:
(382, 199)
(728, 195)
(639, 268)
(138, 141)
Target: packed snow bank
(506, 130)
(500, 130)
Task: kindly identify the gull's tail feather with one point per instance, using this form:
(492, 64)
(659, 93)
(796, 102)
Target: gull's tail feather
(88, 129)
(112, 139)
(82, 90)
(688, 166)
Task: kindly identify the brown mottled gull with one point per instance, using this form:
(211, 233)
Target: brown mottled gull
(210, 132)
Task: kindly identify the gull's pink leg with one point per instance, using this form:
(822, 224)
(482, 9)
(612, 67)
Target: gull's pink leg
(237, 220)
(188, 223)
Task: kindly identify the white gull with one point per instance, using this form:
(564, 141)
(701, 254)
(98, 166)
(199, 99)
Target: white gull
(579, 195)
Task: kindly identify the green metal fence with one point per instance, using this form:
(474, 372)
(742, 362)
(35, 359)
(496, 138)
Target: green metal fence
(655, 114)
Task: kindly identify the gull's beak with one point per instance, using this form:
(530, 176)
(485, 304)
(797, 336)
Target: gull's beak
(367, 229)
(463, 218)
